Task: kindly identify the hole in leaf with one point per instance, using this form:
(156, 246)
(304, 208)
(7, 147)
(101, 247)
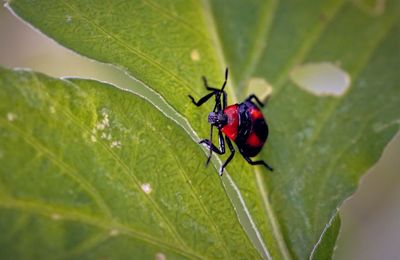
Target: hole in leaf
(56, 216)
(114, 232)
(371, 7)
(322, 78)
(11, 116)
(160, 256)
(195, 55)
(260, 87)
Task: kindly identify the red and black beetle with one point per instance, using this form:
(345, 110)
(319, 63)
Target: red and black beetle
(242, 123)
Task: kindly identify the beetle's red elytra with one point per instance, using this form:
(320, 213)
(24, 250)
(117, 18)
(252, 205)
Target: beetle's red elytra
(242, 123)
(231, 128)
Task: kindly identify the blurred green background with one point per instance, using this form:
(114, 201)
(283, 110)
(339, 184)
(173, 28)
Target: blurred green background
(370, 226)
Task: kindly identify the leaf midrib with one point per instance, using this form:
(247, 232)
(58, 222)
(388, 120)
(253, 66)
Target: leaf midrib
(213, 31)
(280, 83)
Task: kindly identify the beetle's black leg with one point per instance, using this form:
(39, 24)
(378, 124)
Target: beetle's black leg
(217, 107)
(224, 95)
(258, 163)
(256, 98)
(210, 154)
(203, 99)
(226, 79)
(207, 86)
(212, 147)
(215, 92)
(224, 100)
(221, 170)
(207, 143)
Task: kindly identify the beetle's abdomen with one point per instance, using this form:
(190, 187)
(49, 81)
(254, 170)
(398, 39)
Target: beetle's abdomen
(231, 128)
(253, 130)
(256, 138)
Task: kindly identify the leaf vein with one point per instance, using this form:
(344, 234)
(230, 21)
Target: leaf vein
(133, 178)
(196, 195)
(263, 30)
(73, 215)
(307, 44)
(212, 29)
(68, 169)
(170, 15)
(135, 51)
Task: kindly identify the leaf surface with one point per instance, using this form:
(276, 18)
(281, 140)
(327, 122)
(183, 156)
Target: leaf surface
(92, 171)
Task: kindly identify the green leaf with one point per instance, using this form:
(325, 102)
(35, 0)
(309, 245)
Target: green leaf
(319, 145)
(323, 248)
(92, 171)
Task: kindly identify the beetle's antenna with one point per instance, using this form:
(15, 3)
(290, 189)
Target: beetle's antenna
(226, 79)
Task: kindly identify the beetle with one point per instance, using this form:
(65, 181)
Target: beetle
(241, 123)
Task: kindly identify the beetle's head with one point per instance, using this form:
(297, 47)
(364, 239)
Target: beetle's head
(218, 119)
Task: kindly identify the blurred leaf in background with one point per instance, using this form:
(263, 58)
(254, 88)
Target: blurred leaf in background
(319, 145)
